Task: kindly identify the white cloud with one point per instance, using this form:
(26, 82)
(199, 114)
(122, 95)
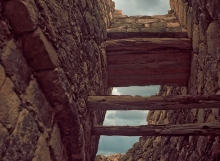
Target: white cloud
(118, 144)
(115, 92)
(143, 7)
(137, 90)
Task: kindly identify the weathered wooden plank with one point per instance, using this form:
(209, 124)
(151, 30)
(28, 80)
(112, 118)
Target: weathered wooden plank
(201, 129)
(180, 79)
(114, 71)
(152, 103)
(151, 65)
(144, 58)
(148, 45)
(122, 34)
(148, 61)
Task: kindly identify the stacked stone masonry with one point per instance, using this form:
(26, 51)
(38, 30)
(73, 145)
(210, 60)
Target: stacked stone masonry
(160, 26)
(147, 50)
(51, 58)
(202, 21)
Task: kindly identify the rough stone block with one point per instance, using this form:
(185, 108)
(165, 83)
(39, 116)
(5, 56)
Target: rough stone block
(154, 29)
(133, 30)
(213, 8)
(23, 140)
(146, 21)
(56, 144)
(22, 15)
(2, 75)
(39, 52)
(202, 27)
(117, 30)
(16, 66)
(118, 12)
(42, 152)
(173, 25)
(130, 20)
(3, 134)
(36, 101)
(9, 103)
(213, 38)
(120, 16)
(195, 39)
(54, 85)
(189, 23)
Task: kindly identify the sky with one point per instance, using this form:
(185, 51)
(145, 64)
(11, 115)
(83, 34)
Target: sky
(142, 7)
(120, 144)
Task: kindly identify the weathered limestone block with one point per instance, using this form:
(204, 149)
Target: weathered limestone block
(71, 131)
(36, 101)
(54, 85)
(189, 23)
(213, 8)
(16, 66)
(185, 10)
(202, 27)
(2, 75)
(157, 27)
(195, 39)
(173, 25)
(56, 145)
(117, 12)
(10, 104)
(42, 152)
(146, 21)
(3, 134)
(26, 19)
(4, 33)
(213, 39)
(58, 91)
(39, 52)
(23, 140)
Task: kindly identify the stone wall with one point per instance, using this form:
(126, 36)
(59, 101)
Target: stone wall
(202, 20)
(159, 26)
(51, 58)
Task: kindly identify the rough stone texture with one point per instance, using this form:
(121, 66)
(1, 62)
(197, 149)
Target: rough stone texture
(115, 157)
(166, 26)
(201, 19)
(21, 144)
(9, 103)
(16, 66)
(52, 57)
(28, 13)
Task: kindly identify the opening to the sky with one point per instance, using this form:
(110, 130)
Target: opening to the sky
(143, 7)
(109, 145)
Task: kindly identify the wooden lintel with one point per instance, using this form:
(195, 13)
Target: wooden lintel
(200, 129)
(146, 45)
(153, 102)
(148, 61)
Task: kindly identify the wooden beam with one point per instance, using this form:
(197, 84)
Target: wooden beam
(148, 45)
(123, 33)
(201, 129)
(122, 80)
(152, 103)
(148, 61)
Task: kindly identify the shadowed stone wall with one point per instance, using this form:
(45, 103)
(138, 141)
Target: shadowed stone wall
(51, 58)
